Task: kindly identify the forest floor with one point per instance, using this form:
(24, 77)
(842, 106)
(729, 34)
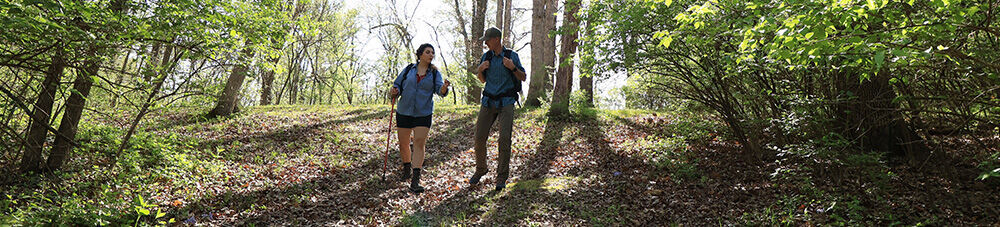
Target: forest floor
(320, 165)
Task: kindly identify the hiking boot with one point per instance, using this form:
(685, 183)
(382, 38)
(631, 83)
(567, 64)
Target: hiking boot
(415, 182)
(405, 171)
(475, 178)
(500, 186)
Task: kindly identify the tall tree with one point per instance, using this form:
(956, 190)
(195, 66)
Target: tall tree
(40, 114)
(230, 94)
(81, 87)
(564, 77)
(543, 21)
(474, 90)
(71, 116)
(267, 82)
(508, 18)
(587, 86)
(504, 20)
(161, 72)
(587, 64)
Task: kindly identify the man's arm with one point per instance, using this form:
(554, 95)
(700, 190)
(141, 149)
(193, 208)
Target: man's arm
(514, 64)
(482, 68)
(520, 75)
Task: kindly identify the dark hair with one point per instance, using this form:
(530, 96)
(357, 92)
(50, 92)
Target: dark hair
(420, 50)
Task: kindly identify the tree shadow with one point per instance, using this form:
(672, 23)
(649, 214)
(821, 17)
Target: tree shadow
(339, 195)
(607, 188)
(342, 205)
(526, 196)
(289, 138)
(602, 174)
(540, 163)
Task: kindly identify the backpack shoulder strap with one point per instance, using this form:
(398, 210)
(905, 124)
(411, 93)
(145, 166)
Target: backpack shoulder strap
(406, 71)
(507, 53)
(433, 70)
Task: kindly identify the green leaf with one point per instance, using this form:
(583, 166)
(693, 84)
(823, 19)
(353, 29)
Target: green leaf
(973, 10)
(820, 33)
(665, 42)
(899, 53)
(879, 58)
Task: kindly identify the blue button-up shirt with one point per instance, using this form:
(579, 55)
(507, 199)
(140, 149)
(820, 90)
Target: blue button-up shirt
(417, 99)
(500, 79)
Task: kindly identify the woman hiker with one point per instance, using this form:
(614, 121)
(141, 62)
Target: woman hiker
(416, 86)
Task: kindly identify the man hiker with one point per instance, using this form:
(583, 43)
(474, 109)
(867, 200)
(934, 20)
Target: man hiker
(501, 70)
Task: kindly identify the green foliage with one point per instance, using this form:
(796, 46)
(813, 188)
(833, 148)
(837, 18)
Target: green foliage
(91, 193)
(990, 167)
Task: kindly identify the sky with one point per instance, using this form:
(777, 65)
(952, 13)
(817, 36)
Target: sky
(433, 12)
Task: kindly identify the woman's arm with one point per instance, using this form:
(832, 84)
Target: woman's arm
(397, 84)
(441, 87)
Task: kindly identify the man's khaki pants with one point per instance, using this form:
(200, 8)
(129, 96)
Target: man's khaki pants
(484, 123)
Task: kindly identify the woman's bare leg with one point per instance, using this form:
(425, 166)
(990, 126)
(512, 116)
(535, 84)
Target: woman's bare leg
(420, 135)
(404, 143)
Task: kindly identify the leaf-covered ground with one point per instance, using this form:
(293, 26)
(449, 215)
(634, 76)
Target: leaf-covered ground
(316, 165)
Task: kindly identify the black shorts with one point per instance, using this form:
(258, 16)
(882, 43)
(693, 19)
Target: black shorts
(403, 121)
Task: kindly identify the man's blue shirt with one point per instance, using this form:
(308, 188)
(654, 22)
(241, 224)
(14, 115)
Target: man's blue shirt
(499, 79)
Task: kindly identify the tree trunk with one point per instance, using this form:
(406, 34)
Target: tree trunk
(38, 130)
(587, 85)
(564, 77)
(507, 30)
(503, 20)
(499, 22)
(293, 89)
(128, 55)
(161, 72)
(266, 83)
(231, 93)
(71, 117)
(752, 150)
(475, 89)
(542, 50)
(878, 121)
(152, 60)
(587, 74)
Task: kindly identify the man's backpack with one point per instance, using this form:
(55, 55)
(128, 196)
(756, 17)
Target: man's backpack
(517, 83)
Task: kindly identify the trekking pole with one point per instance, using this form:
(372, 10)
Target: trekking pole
(388, 137)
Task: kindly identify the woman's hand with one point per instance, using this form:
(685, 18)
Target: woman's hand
(394, 92)
(444, 88)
